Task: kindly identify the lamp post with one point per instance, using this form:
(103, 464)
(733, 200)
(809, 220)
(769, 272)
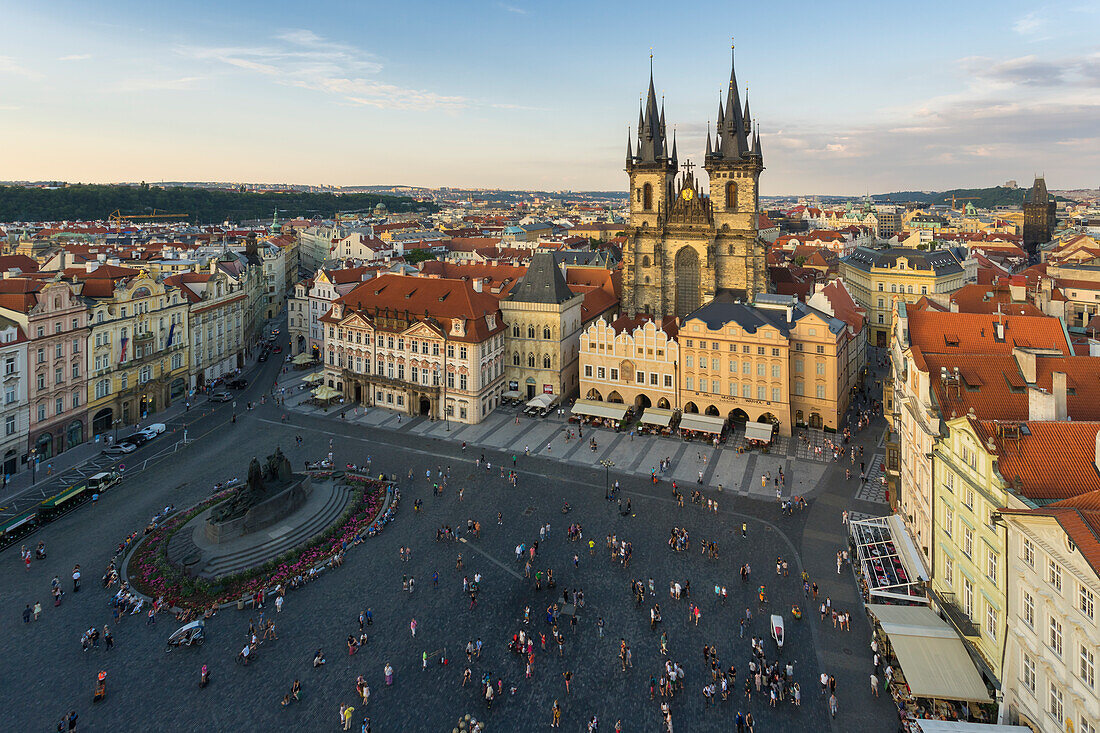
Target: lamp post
(607, 464)
(34, 465)
(118, 422)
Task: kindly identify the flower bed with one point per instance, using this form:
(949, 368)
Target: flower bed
(150, 572)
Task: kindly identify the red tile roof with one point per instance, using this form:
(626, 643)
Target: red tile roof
(975, 333)
(421, 298)
(1026, 464)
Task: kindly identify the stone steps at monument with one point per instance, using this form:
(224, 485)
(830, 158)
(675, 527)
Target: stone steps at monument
(273, 547)
(182, 547)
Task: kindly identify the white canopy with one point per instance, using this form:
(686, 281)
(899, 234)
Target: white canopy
(511, 394)
(931, 654)
(541, 400)
(595, 408)
(758, 431)
(658, 416)
(702, 423)
(890, 561)
(957, 726)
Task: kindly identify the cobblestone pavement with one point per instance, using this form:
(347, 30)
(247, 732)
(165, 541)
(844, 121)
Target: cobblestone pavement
(148, 688)
(873, 489)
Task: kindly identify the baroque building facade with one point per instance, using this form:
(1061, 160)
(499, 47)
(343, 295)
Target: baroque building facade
(685, 245)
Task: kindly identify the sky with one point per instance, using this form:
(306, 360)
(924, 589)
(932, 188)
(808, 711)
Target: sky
(850, 97)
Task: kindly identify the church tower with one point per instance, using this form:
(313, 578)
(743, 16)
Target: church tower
(734, 165)
(684, 247)
(1039, 216)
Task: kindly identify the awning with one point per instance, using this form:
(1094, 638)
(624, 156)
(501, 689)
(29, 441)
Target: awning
(303, 358)
(511, 395)
(314, 378)
(324, 392)
(932, 656)
(542, 400)
(658, 416)
(758, 431)
(957, 726)
(889, 560)
(594, 408)
(702, 423)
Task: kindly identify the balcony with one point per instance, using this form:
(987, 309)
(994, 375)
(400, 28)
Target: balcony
(949, 604)
(391, 382)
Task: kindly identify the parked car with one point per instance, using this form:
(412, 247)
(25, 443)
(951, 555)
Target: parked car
(221, 397)
(152, 431)
(119, 449)
(278, 349)
(239, 383)
(138, 439)
(263, 356)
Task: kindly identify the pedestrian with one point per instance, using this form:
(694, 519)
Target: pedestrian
(27, 614)
(37, 609)
(874, 684)
(412, 627)
(76, 579)
(568, 678)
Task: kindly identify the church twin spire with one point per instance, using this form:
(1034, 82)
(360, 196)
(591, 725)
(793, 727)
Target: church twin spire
(734, 139)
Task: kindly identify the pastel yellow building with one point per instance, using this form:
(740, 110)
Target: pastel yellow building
(631, 361)
(877, 277)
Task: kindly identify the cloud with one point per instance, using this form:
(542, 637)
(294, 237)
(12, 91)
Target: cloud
(157, 85)
(9, 66)
(1081, 70)
(513, 9)
(1033, 24)
(75, 57)
(301, 58)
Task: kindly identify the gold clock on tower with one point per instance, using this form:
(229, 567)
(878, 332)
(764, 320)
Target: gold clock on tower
(687, 194)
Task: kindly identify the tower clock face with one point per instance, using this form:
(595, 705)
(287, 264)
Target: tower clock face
(687, 194)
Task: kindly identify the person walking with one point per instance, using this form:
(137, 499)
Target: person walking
(874, 684)
(555, 721)
(412, 627)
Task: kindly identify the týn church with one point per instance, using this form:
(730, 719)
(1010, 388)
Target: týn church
(685, 245)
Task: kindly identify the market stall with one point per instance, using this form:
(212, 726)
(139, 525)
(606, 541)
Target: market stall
(693, 425)
(957, 726)
(759, 431)
(540, 404)
(657, 420)
(889, 563)
(314, 378)
(594, 412)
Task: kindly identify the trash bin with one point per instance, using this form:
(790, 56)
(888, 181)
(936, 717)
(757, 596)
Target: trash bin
(240, 604)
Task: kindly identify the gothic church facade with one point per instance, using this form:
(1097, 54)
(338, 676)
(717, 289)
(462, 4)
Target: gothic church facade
(685, 245)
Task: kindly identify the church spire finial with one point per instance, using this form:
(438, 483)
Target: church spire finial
(708, 139)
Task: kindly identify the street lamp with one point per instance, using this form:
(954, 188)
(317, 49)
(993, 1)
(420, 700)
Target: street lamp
(117, 423)
(607, 464)
(34, 465)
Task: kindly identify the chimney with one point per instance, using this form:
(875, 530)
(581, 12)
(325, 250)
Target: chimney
(954, 307)
(1040, 404)
(1018, 293)
(1026, 361)
(477, 284)
(90, 266)
(1000, 330)
(1058, 387)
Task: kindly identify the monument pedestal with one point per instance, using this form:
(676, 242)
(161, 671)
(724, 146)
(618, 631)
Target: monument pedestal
(264, 514)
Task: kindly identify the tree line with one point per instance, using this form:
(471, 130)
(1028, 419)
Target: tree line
(83, 202)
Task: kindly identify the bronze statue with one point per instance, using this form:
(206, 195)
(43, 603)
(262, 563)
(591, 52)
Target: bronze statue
(262, 483)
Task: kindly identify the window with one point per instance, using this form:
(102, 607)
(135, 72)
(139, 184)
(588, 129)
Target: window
(450, 380)
(1027, 672)
(1027, 609)
(968, 493)
(880, 287)
(1056, 708)
(545, 361)
(41, 413)
(58, 351)
(76, 370)
(1085, 726)
(799, 387)
(9, 395)
(761, 370)
(530, 332)
(968, 598)
(968, 541)
(759, 350)
(775, 371)
(41, 356)
(820, 349)
(746, 367)
(546, 332)
(1054, 638)
(531, 361)
(462, 381)
(9, 365)
(761, 392)
(991, 566)
(798, 365)
(1087, 666)
(668, 380)
(601, 373)
(746, 391)
(58, 406)
(775, 394)
(124, 381)
(76, 400)
(587, 367)
(948, 520)
(881, 319)
(653, 379)
(948, 571)
(9, 425)
(821, 391)
(991, 622)
(1054, 575)
(614, 374)
(515, 362)
(41, 381)
(689, 361)
(1029, 552)
(881, 303)
(689, 383)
